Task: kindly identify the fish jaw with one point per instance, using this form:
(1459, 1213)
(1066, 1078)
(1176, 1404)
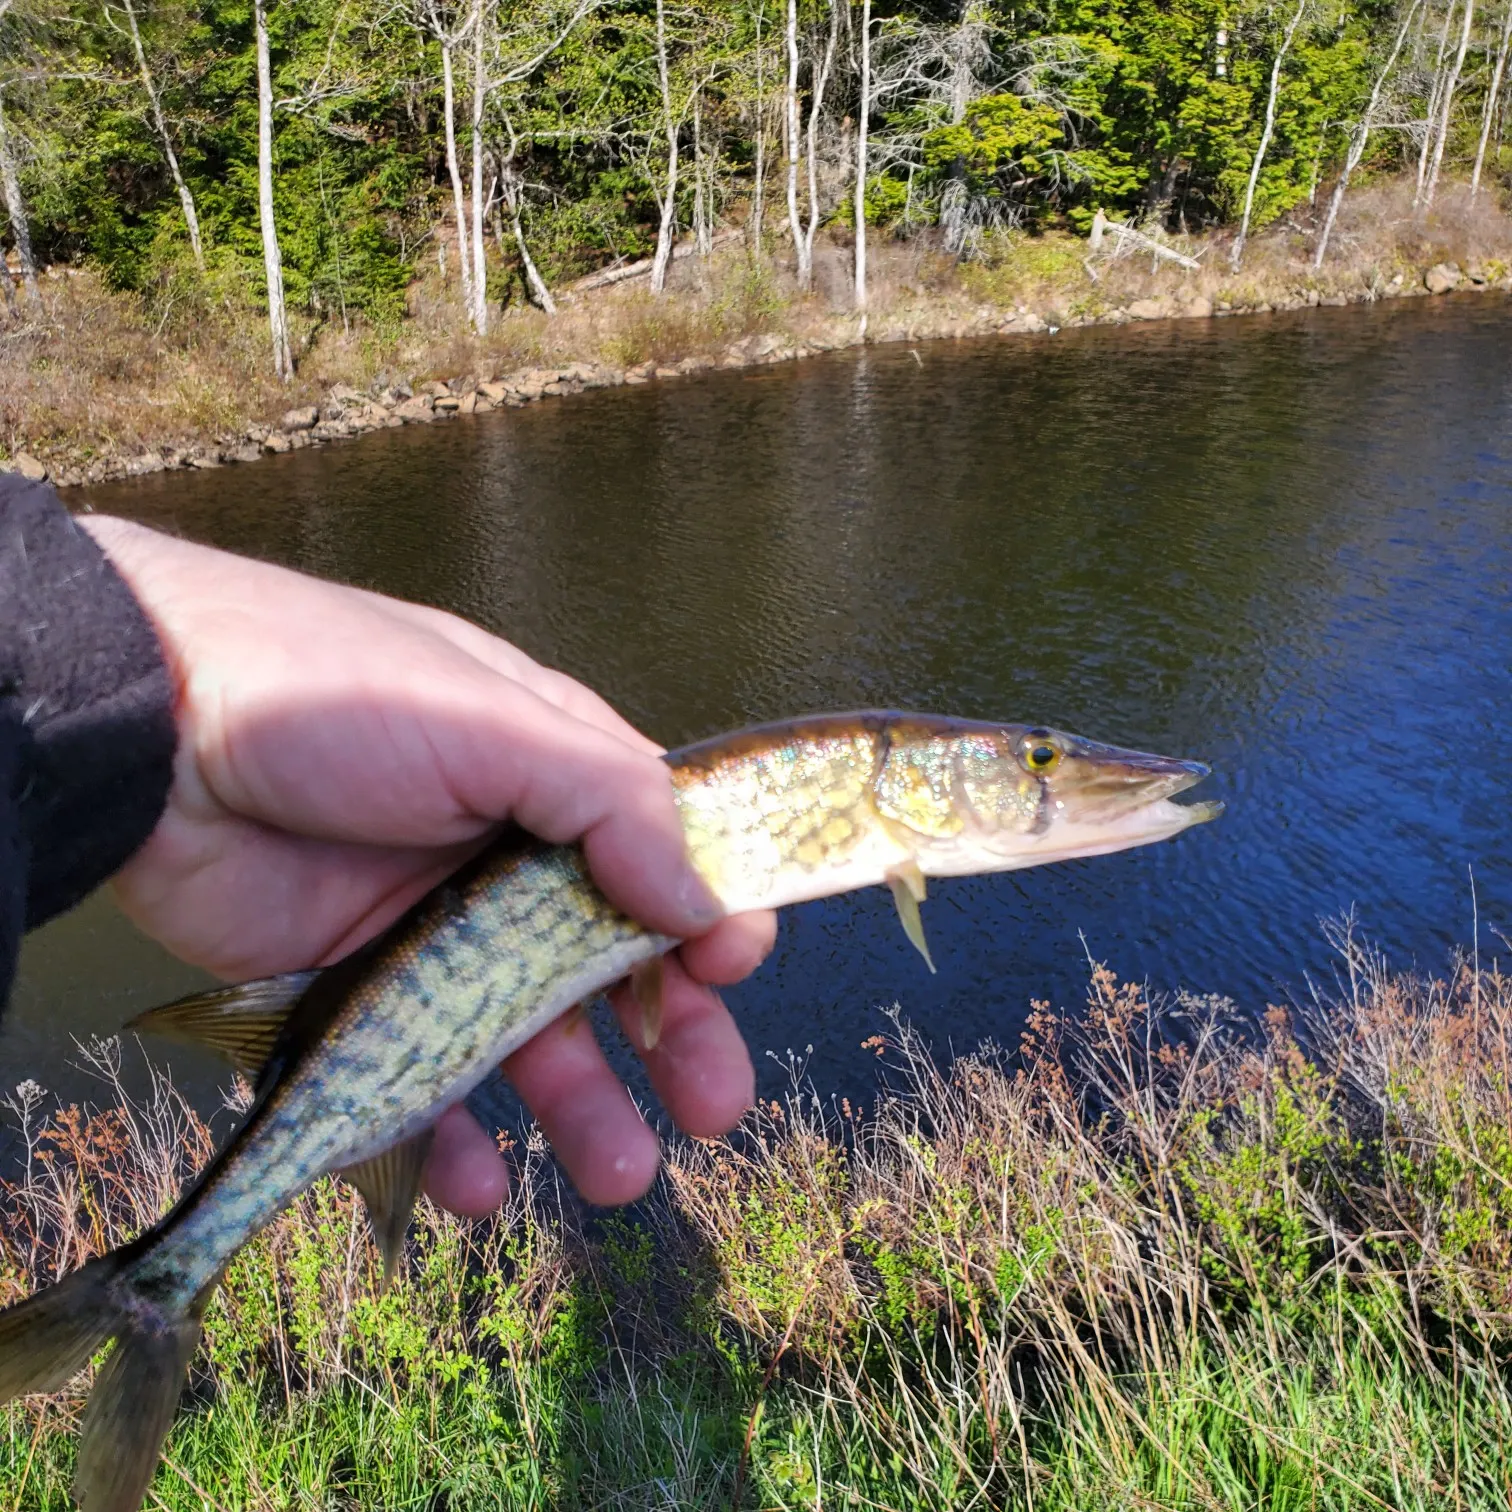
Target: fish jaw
(1070, 841)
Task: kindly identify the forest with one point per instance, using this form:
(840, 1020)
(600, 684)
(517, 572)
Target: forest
(313, 155)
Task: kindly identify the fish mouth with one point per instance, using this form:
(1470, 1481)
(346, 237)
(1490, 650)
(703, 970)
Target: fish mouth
(1101, 782)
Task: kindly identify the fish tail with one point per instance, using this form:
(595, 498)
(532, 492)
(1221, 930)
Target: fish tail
(49, 1337)
(131, 1410)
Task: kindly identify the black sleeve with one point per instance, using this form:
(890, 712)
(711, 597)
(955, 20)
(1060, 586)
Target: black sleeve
(86, 716)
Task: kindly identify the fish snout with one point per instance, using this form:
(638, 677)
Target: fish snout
(1107, 780)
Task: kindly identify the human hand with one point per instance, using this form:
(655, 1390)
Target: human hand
(341, 752)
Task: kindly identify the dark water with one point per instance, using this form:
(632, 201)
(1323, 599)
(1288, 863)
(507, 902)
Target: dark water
(1281, 545)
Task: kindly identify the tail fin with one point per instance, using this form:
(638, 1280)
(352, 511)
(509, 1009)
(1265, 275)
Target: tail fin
(48, 1338)
(130, 1412)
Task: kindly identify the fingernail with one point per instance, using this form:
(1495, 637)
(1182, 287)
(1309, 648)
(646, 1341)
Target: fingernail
(697, 903)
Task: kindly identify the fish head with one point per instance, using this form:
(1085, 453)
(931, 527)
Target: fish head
(972, 797)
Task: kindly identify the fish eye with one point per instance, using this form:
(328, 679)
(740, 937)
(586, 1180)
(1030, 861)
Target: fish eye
(1039, 753)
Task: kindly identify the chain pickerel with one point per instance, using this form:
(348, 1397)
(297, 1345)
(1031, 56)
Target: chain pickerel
(351, 1065)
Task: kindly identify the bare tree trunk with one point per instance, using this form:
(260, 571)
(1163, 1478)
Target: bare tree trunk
(758, 189)
(7, 283)
(186, 198)
(702, 211)
(533, 280)
(1433, 104)
(449, 105)
(15, 209)
(479, 311)
(1360, 135)
(819, 83)
(667, 201)
(1493, 94)
(1265, 134)
(790, 134)
(1448, 106)
(278, 317)
(862, 121)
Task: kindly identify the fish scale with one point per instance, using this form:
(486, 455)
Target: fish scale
(353, 1064)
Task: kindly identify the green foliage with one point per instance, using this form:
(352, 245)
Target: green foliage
(991, 113)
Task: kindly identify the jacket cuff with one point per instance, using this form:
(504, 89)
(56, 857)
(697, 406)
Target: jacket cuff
(87, 699)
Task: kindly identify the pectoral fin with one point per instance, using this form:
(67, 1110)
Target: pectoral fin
(389, 1184)
(241, 1023)
(647, 986)
(908, 890)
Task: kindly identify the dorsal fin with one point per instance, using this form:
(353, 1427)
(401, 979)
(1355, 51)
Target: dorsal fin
(239, 1023)
(390, 1183)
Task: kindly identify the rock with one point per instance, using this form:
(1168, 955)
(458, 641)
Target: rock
(1441, 278)
(1031, 322)
(204, 459)
(435, 390)
(482, 404)
(249, 452)
(667, 372)
(493, 392)
(345, 394)
(1477, 274)
(468, 404)
(29, 467)
(1200, 308)
(415, 409)
(278, 442)
(1149, 309)
(447, 404)
(764, 346)
(302, 418)
(1334, 301)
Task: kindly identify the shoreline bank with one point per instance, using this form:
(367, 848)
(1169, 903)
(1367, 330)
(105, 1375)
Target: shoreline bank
(1258, 1277)
(579, 351)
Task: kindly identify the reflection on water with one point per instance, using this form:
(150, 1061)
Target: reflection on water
(1280, 545)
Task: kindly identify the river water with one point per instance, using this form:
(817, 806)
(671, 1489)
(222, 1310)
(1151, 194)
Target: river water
(1279, 544)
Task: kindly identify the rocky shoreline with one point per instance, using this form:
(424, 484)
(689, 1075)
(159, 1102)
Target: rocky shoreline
(345, 412)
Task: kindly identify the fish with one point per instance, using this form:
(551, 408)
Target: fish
(351, 1065)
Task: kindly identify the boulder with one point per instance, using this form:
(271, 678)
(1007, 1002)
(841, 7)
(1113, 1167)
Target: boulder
(345, 394)
(414, 410)
(493, 392)
(302, 418)
(247, 452)
(278, 442)
(29, 467)
(1149, 309)
(1200, 308)
(468, 404)
(1441, 278)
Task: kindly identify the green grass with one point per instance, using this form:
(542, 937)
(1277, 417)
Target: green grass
(1144, 1265)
